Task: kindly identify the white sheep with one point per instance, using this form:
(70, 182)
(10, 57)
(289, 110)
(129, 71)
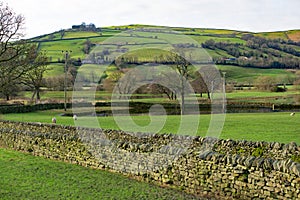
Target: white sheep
(292, 114)
(75, 117)
(54, 120)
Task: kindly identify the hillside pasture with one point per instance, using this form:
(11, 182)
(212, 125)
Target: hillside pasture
(90, 73)
(218, 53)
(48, 37)
(148, 43)
(202, 39)
(54, 69)
(217, 31)
(273, 35)
(248, 75)
(99, 40)
(80, 34)
(54, 49)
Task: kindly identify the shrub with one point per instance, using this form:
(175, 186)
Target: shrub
(258, 152)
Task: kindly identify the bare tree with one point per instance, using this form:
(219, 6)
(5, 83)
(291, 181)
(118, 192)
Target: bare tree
(183, 68)
(212, 80)
(11, 25)
(34, 77)
(199, 84)
(10, 89)
(161, 89)
(297, 81)
(56, 82)
(126, 85)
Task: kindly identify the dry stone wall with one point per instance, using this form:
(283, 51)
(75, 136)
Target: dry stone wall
(202, 166)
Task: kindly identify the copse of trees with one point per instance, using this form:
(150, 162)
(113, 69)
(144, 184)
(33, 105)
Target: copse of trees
(175, 84)
(266, 83)
(258, 52)
(230, 48)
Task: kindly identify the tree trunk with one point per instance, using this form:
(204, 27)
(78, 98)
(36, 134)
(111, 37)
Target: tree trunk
(7, 97)
(33, 95)
(182, 96)
(38, 97)
(168, 95)
(182, 104)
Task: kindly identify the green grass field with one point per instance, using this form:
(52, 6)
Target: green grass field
(91, 72)
(275, 126)
(54, 49)
(54, 70)
(273, 35)
(59, 95)
(248, 75)
(254, 96)
(202, 39)
(254, 93)
(78, 34)
(24, 176)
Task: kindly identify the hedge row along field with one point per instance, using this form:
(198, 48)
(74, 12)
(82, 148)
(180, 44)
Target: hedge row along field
(196, 165)
(143, 107)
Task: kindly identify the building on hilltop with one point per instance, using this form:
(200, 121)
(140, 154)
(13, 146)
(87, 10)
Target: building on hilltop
(85, 27)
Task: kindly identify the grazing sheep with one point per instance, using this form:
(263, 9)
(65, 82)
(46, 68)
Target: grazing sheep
(292, 114)
(54, 120)
(75, 117)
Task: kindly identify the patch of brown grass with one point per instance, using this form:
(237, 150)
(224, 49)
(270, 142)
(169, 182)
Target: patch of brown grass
(294, 35)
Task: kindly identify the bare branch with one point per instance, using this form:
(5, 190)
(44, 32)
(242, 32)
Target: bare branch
(11, 26)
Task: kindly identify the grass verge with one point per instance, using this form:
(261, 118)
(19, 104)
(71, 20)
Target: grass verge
(24, 176)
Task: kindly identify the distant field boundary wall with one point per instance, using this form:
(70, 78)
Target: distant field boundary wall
(224, 169)
(13, 108)
(140, 107)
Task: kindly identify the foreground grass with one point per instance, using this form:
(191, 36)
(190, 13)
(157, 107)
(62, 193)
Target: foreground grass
(27, 177)
(271, 127)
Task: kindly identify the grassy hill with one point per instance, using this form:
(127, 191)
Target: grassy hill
(243, 55)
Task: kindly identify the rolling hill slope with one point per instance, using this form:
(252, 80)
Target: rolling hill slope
(143, 43)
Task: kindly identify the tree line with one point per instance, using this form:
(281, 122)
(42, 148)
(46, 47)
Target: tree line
(258, 52)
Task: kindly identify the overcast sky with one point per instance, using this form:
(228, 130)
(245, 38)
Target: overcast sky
(45, 16)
